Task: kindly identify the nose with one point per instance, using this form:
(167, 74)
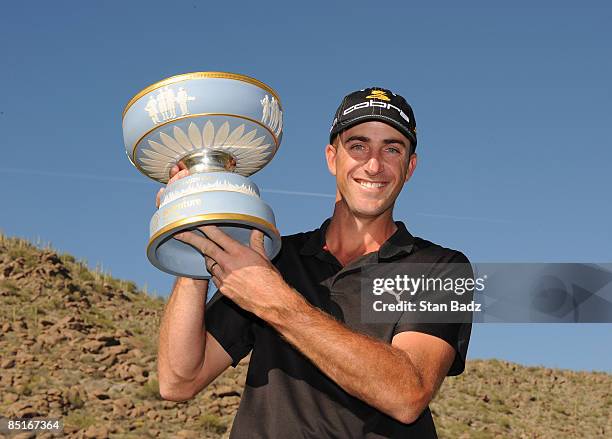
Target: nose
(374, 164)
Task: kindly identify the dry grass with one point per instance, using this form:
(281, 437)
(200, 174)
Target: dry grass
(492, 399)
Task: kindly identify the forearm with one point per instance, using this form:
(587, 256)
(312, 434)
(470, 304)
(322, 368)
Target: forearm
(373, 371)
(182, 332)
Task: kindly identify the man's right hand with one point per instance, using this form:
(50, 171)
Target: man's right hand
(189, 358)
(176, 173)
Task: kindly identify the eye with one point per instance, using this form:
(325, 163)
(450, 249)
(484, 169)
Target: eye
(357, 147)
(393, 150)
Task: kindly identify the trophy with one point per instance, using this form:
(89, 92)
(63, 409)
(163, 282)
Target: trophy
(222, 127)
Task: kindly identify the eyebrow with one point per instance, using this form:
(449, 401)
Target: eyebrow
(367, 139)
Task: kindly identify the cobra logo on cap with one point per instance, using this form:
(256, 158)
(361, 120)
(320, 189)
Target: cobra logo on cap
(372, 103)
(378, 94)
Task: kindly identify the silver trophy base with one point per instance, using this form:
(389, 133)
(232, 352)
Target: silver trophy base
(224, 199)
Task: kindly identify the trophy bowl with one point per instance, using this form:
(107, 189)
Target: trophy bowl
(223, 127)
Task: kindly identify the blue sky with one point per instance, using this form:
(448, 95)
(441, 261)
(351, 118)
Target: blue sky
(512, 106)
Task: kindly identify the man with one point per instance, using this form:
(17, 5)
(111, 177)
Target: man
(316, 369)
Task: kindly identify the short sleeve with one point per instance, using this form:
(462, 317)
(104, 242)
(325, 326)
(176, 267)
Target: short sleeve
(230, 325)
(456, 333)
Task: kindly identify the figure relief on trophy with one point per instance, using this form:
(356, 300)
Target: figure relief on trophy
(222, 127)
(163, 105)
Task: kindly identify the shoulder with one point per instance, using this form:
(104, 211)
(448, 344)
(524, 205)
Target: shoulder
(427, 251)
(297, 239)
(439, 260)
(294, 245)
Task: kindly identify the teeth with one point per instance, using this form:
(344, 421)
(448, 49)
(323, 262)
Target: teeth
(370, 184)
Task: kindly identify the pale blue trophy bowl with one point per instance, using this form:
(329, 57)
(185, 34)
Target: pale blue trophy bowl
(223, 127)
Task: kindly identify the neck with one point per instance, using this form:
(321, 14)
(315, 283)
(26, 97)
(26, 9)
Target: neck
(349, 237)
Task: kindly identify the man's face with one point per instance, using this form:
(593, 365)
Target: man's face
(371, 163)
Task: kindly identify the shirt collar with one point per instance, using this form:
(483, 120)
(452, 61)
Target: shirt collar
(401, 242)
(315, 243)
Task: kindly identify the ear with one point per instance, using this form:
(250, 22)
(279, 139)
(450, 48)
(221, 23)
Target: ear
(412, 163)
(330, 156)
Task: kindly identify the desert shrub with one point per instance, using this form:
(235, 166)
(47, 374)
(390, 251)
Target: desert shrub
(9, 286)
(67, 258)
(85, 275)
(149, 390)
(212, 423)
(80, 418)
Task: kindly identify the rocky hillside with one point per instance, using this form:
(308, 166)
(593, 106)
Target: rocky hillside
(81, 346)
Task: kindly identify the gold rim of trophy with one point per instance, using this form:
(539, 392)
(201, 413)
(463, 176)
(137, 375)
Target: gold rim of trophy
(200, 75)
(212, 216)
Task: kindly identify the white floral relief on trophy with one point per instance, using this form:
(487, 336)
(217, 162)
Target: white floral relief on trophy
(162, 106)
(200, 186)
(249, 149)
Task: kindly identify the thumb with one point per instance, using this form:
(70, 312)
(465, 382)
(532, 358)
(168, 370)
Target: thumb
(257, 242)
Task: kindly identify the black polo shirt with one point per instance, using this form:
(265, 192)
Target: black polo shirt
(286, 396)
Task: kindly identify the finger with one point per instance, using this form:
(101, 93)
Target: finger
(186, 236)
(257, 242)
(212, 266)
(158, 197)
(181, 174)
(173, 171)
(214, 233)
(203, 244)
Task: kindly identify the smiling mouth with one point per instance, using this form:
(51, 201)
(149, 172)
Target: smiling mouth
(371, 184)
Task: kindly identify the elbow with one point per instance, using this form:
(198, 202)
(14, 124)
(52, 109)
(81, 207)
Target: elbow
(173, 387)
(407, 416)
(174, 393)
(411, 408)
(172, 390)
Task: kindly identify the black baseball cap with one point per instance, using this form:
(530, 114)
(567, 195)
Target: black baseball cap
(375, 103)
